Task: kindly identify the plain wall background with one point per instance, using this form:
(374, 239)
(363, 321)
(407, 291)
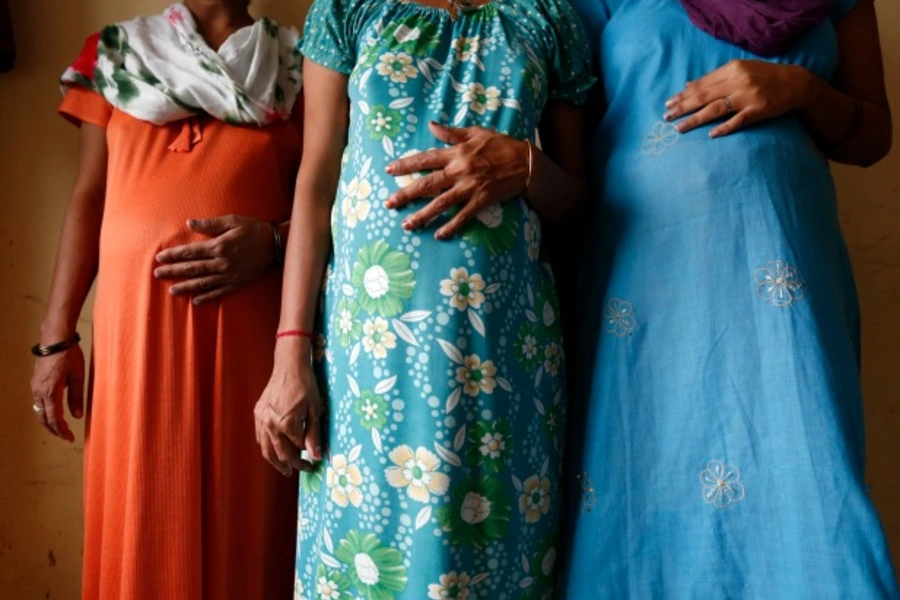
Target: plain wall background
(40, 477)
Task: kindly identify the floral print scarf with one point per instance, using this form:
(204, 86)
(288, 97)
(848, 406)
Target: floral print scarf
(159, 69)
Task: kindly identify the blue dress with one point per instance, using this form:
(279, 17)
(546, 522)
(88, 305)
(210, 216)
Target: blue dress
(717, 422)
(443, 364)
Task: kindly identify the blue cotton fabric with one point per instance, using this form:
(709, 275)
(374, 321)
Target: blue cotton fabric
(718, 446)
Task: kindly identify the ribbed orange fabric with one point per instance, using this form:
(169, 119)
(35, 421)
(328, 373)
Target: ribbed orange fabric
(179, 504)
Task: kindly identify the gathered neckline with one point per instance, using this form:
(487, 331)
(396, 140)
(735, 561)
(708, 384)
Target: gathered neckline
(446, 10)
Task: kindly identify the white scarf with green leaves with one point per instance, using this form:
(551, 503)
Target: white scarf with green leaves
(159, 69)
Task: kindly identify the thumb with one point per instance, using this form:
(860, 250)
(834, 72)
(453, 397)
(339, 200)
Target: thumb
(213, 227)
(314, 435)
(447, 134)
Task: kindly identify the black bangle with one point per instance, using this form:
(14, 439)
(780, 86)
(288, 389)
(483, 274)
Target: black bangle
(56, 348)
(279, 243)
(854, 128)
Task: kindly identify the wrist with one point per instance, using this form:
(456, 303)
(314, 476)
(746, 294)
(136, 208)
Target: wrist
(810, 89)
(56, 330)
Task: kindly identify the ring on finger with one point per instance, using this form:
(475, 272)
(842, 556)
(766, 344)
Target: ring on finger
(38, 408)
(729, 106)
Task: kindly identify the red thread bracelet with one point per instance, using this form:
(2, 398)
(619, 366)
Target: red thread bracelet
(295, 333)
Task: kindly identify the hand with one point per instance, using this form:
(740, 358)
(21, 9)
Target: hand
(241, 249)
(481, 167)
(289, 416)
(750, 90)
(52, 375)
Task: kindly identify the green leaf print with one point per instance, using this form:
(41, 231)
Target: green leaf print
(543, 567)
(125, 87)
(490, 445)
(372, 410)
(270, 27)
(414, 35)
(148, 77)
(478, 512)
(494, 228)
(376, 570)
(210, 67)
(311, 481)
(383, 122)
(382, 279)
(111, 37)
(332, 585)
(347, 325)
(546, 308)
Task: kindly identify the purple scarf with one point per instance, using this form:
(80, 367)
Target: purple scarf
(763, 27)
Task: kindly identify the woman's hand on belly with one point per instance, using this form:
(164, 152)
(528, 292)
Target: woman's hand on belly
(289, 414)
(744, 92)
(239, 251)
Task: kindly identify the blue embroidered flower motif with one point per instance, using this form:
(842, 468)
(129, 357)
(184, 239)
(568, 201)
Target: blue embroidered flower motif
(662, 137)
(721, 484)
(779, 283)
(620, 320)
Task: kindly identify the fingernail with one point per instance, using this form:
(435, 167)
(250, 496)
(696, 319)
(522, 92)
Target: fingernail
(389, 169)
(318, 453)
(668, 116)
(680, 127)
(670, 102)
(440, 234)
(77, 414)
(714, 133)
(196, 301)
(192, 222)
(407, 224)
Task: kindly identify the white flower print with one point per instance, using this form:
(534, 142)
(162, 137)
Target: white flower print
(355, 206)
(492, 445)
(463, 289)
(377, 340)
(533, 235)
(661, 138)
(535, 498)
(491, 216)
(399, 67)
(721, 484)
(344, 479)
(406, 180)
(417, 472)
(477, 376)
(298, 588)
(452, 586)
(327, 589)
(475, 509)
(529, 346)
(467, 48)
(376, 281)
(482, 99)
(345, 321)
(552, 359)
(382, 122)
(620, 320)
(779, 283)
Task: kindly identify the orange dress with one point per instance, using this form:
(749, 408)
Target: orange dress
(179, 503)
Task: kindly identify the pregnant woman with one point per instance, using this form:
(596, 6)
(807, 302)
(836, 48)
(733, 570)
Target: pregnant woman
(442, 363)
(721, 446)
(183, 116)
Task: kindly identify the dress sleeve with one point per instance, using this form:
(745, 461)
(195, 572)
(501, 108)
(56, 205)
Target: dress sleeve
(328, 39)
(82, 105)
(571, 75)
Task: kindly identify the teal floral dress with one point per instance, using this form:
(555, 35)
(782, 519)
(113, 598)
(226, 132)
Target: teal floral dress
(442, 361)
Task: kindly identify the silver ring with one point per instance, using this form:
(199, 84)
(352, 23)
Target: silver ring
(728, 105)
(37, 408)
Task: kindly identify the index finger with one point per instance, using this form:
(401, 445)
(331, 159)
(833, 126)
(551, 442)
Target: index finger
(194, 251)
(428, 160)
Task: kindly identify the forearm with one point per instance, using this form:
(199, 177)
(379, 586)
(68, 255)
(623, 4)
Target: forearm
(305, 261)
(76, 267)
(554, 193)
(845, 137)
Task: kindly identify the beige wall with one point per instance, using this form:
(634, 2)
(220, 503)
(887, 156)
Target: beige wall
(40, 478)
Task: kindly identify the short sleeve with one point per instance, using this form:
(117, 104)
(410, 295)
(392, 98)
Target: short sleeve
(81, 105)
(571, 74)
(328, 39)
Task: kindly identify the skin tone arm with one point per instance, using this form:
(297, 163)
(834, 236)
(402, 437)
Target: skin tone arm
(289, 415)
(76, 266)
(482, 167)
(759, 90)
